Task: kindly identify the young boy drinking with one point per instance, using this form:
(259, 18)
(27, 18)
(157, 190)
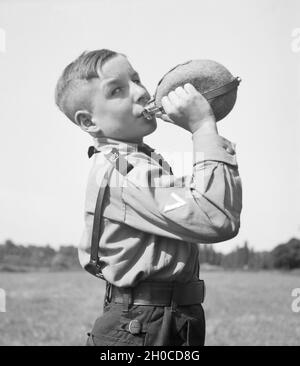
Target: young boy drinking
(147, 223)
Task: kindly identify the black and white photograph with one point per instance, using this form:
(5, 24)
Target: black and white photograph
(150, 175)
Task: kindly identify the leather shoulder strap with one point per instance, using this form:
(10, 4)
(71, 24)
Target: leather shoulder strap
(118, 162)
(226, 88)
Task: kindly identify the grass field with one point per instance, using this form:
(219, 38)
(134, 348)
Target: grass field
(59, 308)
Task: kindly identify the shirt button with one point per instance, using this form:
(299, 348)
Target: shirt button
(135, 326)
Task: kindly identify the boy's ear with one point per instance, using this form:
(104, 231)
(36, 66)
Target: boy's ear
(84, 120)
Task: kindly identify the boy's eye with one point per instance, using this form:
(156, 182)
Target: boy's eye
(116, 91)
(137, 81)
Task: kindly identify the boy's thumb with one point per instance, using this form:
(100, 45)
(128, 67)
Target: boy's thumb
(164, 117)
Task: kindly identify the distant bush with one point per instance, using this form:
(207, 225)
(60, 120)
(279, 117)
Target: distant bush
(287, 256)
(21, 258)
(13, 268)
(240, 258)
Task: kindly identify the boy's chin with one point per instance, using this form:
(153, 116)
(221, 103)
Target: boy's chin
(151, 126)
(145, 128)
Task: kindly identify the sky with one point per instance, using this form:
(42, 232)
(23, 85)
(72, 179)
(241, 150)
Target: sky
(43, 160)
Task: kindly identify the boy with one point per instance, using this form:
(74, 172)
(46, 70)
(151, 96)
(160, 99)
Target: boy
(148, 222)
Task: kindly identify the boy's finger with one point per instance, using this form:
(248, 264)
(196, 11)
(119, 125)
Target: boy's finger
(168, 107)
(189, 88)
(174, 98)
(181, 92)
(163, 116)
(166, 104)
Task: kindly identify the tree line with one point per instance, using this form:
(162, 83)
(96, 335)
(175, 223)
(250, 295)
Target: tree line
(284, 256)
(20, 258)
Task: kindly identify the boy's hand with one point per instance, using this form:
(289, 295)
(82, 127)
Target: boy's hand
(187, 108)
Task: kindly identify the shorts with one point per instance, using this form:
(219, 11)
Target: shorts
(149, 326)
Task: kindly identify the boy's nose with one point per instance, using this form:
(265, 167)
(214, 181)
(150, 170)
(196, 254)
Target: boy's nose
(141, 95)
(143, 99)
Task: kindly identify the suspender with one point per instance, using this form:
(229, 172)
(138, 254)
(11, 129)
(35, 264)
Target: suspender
(94, 265)
(121, 164)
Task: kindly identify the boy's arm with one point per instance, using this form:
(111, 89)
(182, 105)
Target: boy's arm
(203, 209)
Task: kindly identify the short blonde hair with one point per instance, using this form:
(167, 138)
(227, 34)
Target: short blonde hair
(71, 92)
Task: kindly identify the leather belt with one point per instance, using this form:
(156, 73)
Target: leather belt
(159, 293)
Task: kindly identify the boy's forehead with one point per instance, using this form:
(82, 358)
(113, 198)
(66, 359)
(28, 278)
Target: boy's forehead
(116, 67)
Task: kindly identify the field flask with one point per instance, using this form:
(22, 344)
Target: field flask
(210, 78)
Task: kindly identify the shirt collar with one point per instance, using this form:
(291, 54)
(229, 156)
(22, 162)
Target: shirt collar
(101, 143)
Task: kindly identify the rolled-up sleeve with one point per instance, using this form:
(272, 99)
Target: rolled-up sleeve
(202, 208)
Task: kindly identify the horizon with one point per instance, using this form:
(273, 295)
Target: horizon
(233, 248)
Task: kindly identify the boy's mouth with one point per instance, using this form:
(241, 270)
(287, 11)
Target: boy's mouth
(140, 115)
(141, 112)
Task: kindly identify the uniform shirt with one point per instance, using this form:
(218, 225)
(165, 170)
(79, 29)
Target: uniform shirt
(153, 221)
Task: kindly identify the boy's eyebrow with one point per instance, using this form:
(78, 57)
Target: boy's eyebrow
(115, 80)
